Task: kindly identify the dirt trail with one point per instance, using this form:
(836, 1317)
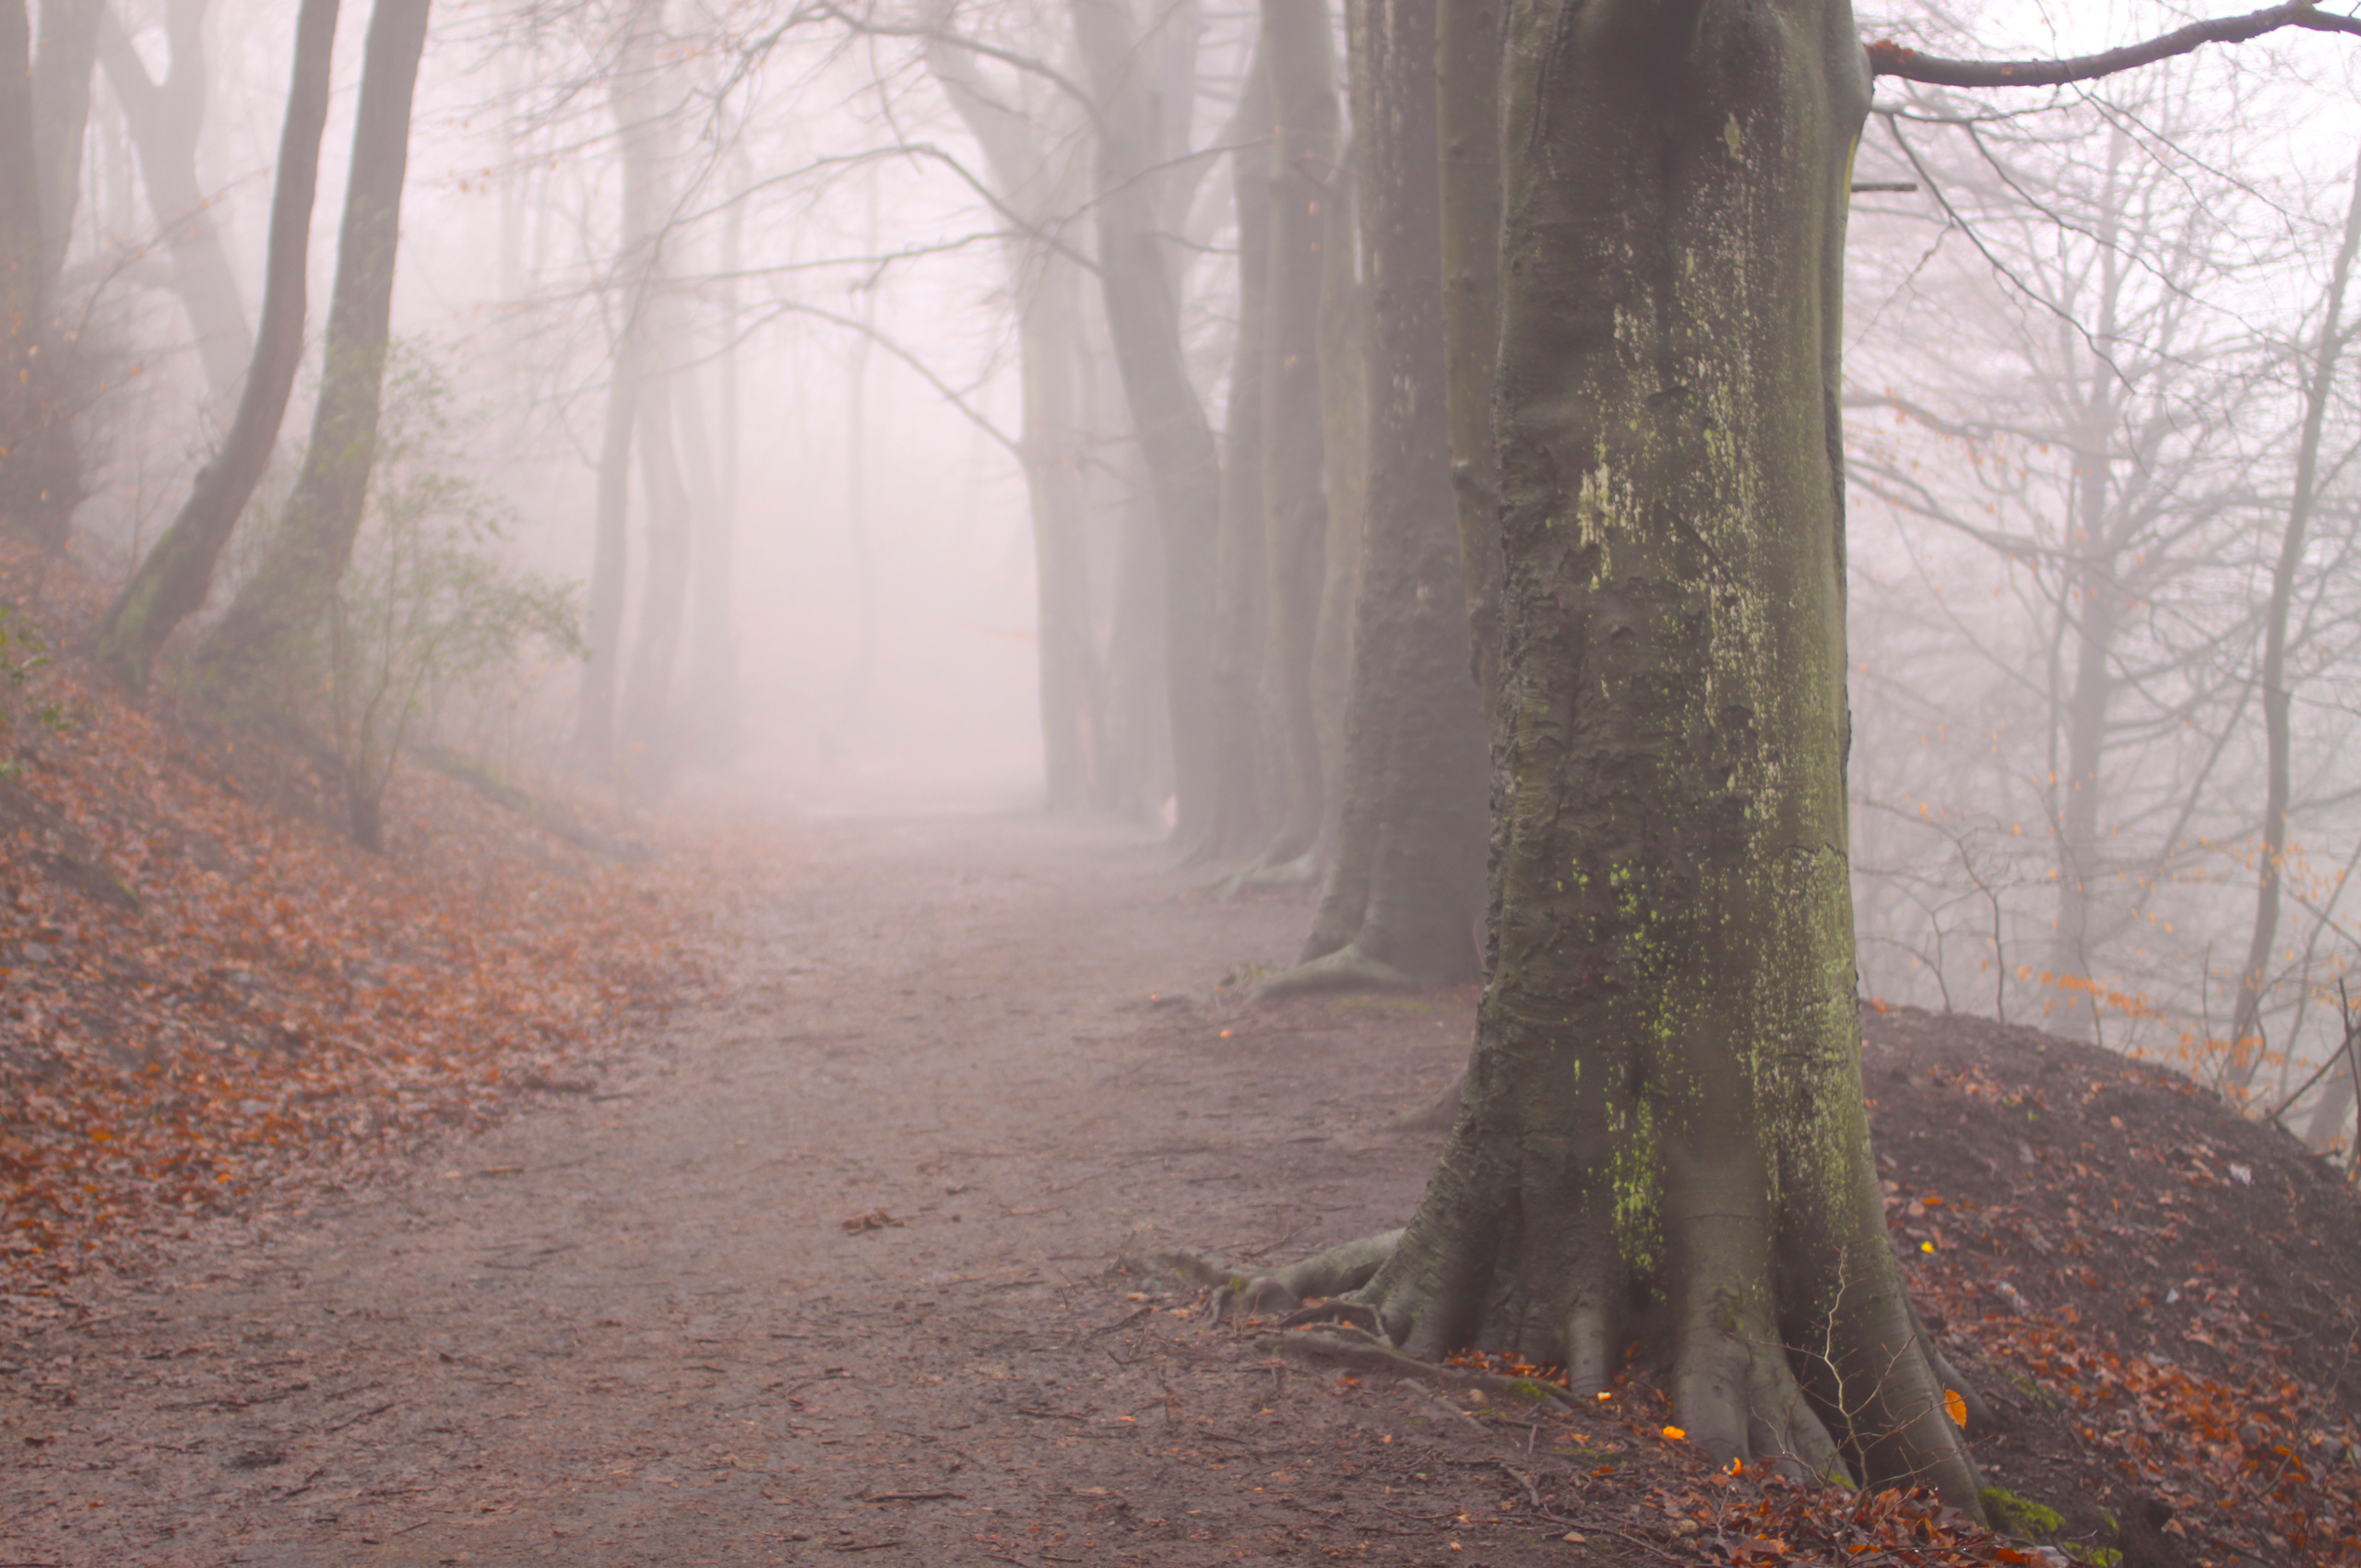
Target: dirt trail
(632, 1328)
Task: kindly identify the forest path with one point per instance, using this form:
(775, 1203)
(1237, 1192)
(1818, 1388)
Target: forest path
(633, 1329)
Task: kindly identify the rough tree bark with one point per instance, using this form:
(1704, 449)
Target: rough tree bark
(1662, 1129)
(165, 118)
(297, 575)
(2246, 1026)
(1662, 1134)
(1403, 893)
(171, 583)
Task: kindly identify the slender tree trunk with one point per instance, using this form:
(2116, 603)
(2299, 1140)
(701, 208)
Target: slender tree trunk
(2093, 611)
(1663, 1133)
(1072, 695)
(1300, 58)
(641, 267)
(1137, 684)
(713, 636)
(297, 577)
(1031, 176)
(1183, 467)
(650, 741)
(61, 87)
(594, 724)
(171, 585)
(852, 696)
(1343, 423)
(1241, 823)
(165, 119)
(40, 475)
(2246, 1026)
(1470, 123)
(1405, 892)
(23, 302)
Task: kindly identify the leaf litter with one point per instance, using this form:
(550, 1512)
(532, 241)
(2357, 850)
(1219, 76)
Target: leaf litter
(212, 1005)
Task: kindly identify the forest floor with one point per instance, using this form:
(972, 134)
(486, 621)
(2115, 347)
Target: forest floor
(768, 1200)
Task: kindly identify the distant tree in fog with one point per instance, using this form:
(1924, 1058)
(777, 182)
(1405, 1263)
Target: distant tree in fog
(2083, 417)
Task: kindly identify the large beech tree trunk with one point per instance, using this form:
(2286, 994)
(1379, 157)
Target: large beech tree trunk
(1662, 1134)
(1404, 890)
(171, 583)
(295, 580)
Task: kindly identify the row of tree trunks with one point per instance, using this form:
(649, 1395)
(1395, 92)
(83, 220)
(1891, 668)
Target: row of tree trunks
(295, 580)
(171, 583)
(636, 720)
(1403, 889)
(1034, 178)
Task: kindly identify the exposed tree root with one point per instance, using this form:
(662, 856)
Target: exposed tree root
(1299, 870)
(1341, 1268)
(1348, 968)
(1435, 1116)
(1359, 1351)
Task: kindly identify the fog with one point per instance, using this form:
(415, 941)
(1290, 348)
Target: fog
(850, 299)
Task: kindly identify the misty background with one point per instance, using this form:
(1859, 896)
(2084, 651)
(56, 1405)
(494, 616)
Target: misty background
(2078, 346)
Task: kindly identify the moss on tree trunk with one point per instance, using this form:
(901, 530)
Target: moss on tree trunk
(1663, 1133)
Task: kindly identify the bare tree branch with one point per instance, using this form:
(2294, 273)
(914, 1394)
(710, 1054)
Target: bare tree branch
(1888, 58)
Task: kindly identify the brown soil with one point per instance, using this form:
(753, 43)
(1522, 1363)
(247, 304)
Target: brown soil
(827, 1267)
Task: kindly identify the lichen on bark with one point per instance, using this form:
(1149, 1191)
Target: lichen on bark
(1662, 1133)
